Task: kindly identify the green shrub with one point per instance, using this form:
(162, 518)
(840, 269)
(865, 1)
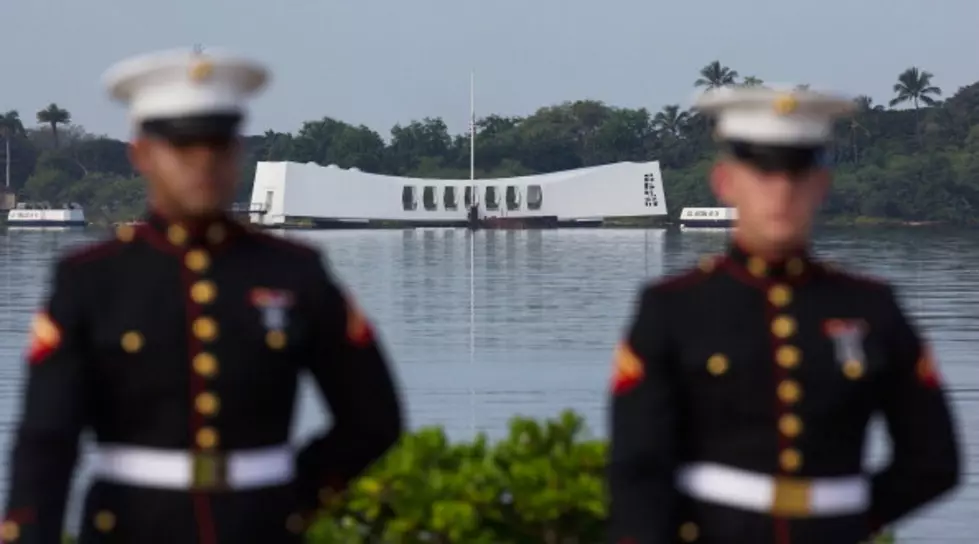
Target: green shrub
(544, 483)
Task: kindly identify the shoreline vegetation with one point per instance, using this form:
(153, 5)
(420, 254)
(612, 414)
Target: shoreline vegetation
(914, 166)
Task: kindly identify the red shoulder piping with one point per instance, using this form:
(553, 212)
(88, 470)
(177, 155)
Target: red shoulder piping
(91, 252)
(287, 244)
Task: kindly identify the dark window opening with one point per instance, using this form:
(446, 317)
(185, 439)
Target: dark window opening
(449, 198)
(512, 198)
(429, 200)
(492, 199)
(408, 200)
(535, 197)
(467, 196)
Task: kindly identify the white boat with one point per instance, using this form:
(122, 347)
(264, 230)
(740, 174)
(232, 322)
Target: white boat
(708, 218)
(26, 215)
(291, 194)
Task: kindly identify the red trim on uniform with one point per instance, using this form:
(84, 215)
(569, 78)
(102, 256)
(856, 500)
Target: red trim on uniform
(157, 239)
(862, 279)
(679, 281)
(926, 369)
(92, 252)
(21, 515)
(202, 507)
(45, 338)
(280, 242)
(780, 525)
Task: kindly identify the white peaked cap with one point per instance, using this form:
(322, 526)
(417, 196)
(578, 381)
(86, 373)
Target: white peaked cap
(771, 117)
(182, 83)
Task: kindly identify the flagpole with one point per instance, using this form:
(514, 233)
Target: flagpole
(472, 254)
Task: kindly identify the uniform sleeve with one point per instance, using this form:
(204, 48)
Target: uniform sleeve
(54, 412)
(643, 432)
(925, 456)
(353, 374)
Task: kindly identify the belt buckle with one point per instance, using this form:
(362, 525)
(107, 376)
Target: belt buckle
(793, 497)
(210, 471)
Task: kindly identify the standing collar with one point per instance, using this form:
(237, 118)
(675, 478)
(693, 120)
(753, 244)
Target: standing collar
(793, 267)
(212, 232)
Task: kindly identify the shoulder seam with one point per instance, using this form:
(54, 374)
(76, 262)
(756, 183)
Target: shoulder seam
(855, 278)
(90, 252)
(687, 278)
(298, 247)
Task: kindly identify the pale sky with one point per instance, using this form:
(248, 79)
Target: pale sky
(379, 62)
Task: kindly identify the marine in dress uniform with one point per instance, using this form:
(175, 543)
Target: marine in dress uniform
(743, 388)
(179, 344)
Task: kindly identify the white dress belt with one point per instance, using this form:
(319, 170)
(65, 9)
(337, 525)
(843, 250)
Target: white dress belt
(185, 470)
(782, 496)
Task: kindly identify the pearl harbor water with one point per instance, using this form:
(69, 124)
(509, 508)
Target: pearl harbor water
(548, 308)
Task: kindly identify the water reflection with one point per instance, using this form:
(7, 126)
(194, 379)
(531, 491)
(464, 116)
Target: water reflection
(548, 306)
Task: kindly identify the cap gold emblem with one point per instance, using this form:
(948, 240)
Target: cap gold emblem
(201, 70)
(786, 104)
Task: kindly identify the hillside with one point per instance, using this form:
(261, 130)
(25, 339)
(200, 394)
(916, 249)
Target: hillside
(916, 163)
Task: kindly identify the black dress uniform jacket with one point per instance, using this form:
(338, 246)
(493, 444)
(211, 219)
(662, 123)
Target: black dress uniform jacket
(738, 363)
(193, 339)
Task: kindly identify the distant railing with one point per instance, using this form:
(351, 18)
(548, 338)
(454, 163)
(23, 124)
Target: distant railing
(249, 207)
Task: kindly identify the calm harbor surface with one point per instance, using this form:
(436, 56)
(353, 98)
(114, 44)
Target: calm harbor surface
(549, 306)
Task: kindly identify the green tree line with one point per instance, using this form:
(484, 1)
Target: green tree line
(914, 159)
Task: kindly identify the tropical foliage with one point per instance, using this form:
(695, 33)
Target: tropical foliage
(543, 483)
(919, 162)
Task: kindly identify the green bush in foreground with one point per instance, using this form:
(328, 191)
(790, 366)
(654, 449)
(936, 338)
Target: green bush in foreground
(544, 483)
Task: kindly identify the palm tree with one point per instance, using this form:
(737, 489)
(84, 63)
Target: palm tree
(10, 126)
(714, 76)
(752, 81)
(671, 120)
(54, 116)
(915, 86)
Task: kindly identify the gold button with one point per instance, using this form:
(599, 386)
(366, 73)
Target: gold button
(216, 233)
(105, 521)
(205, 364)
(205, 328)
(132, 342)
(689, 532)
(783, 326)
(717, 364)
(853, 369)
(789, 392)
(295, 524)
(795, 266)
(9, 531)
(207, 438)
(790, 459)
(757, 267)
(125, 233)
(207, 403)
(780, 295)
(203, 292)
(177, 235)
(788, 356)
(197, 260)
(707, 263)
(275, 339)
(790, 425)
